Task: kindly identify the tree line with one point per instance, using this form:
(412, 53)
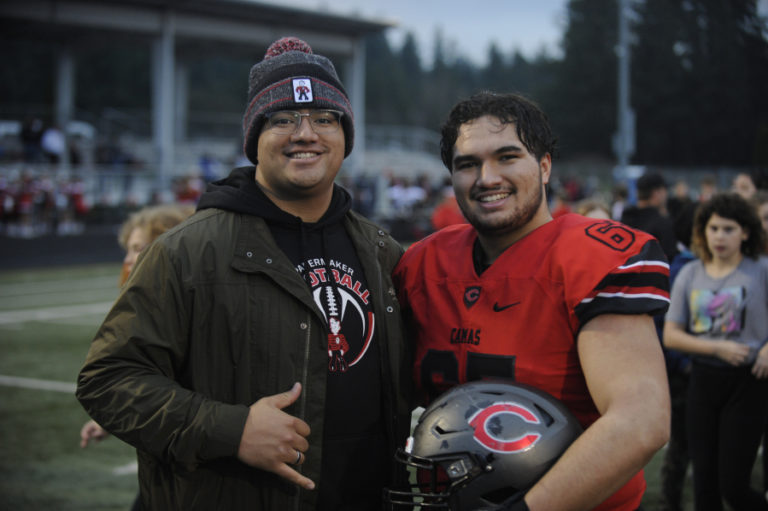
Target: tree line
(699, 80)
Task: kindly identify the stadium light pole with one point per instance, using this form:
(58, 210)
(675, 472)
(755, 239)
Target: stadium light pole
(624, 138)
(163, 104)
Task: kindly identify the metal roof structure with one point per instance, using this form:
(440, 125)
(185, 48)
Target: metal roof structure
(234, 21)
(182, 29)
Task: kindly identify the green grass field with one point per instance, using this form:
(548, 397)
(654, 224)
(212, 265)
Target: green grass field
(47, 320)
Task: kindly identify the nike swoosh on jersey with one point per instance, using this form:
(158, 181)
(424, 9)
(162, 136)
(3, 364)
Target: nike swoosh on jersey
(498, 308)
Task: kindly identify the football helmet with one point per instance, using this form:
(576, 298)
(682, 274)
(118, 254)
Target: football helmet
(482, 444)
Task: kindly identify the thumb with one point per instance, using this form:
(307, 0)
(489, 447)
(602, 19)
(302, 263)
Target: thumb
(286, 399)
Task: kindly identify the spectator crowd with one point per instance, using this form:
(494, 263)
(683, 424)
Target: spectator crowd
(54, 203)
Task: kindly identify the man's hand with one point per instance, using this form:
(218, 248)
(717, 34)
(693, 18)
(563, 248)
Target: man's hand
(91, 431)
(273, 440)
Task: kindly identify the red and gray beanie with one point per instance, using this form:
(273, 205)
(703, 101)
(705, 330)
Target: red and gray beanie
(291, 77)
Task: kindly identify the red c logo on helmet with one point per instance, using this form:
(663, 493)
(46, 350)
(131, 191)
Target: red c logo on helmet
(479, 421)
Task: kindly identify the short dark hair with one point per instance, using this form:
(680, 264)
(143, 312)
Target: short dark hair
(733, 207)
(530, 122)
(647, 183)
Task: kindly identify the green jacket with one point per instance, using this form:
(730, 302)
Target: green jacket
(213, 318)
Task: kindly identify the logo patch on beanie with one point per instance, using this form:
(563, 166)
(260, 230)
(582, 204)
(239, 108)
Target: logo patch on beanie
(302, 90)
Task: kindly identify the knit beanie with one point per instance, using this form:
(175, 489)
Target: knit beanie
(291, 77)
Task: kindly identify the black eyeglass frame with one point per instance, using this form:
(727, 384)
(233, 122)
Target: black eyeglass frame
(314, 116)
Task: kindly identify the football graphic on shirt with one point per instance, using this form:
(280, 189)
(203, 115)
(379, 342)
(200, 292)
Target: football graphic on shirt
(352, 326)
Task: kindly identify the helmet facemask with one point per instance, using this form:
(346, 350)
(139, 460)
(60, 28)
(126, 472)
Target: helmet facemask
(437, 480)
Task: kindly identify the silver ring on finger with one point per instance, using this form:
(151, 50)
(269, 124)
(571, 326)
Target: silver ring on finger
(298, 458)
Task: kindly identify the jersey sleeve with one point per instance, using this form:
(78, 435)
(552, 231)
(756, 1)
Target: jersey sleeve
(639, 284)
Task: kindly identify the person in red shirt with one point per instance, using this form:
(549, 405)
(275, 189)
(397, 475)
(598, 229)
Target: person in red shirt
(562, 304)
(447, 212)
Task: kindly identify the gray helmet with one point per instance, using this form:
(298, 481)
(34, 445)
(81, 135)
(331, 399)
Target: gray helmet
(482, 444)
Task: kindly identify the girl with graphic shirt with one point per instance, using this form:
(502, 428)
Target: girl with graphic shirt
(718, 314)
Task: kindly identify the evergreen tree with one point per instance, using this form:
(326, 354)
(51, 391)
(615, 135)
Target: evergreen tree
(583, 111)
(662, 62)
(698, 84)
(441, 86)
(700, 76)
(496, 75)
(410, 82)
(385, 95)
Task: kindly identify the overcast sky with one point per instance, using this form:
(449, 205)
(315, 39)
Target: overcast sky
(468, 26)
(527, 25)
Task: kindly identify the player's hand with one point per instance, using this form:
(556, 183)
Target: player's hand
(273, 440)
(91, 431)
(732, 352)
(760, 367)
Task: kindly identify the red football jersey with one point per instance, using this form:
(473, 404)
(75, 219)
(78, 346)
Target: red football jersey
(519, 319)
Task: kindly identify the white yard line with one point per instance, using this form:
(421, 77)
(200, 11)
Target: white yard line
(13, 318)
(54, 313)
(34, 383)
(130, 468)
(68, 388)
(69, 285)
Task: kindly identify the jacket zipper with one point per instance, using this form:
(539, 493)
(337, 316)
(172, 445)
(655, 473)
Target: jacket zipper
(303, 399)
(390, 406)
(307, 342)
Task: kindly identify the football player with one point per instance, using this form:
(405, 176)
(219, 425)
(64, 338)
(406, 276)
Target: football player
(564, 305)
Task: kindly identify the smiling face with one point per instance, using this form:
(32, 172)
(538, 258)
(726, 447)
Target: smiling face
(499, 185)
(299, 168)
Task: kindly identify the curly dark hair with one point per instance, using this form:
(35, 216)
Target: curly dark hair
(530, 121)
(733, 207)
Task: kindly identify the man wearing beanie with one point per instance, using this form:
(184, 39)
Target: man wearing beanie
(256, 357)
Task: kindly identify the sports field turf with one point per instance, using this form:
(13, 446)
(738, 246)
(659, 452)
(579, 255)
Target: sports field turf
(47, 320)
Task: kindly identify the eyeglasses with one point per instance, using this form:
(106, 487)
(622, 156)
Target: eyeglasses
(287, 122)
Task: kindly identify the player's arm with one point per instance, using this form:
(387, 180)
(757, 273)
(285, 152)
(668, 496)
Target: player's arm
(624, 369)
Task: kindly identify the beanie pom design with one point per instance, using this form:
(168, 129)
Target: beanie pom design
(287, 44)
(270, 89)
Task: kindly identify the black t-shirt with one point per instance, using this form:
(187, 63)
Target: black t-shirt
(354, 446)
(355, 460)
